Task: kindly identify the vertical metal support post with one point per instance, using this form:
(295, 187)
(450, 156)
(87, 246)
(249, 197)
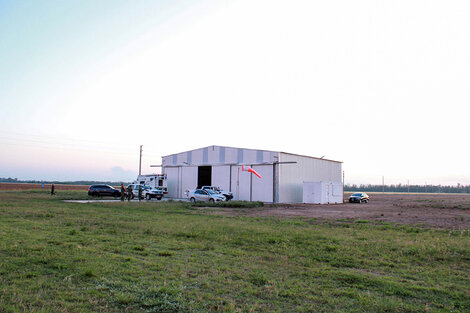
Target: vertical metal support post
(251, 184)
(342, 201)
(230, 179)
(140, 161)
(238, 183)
(274, 183)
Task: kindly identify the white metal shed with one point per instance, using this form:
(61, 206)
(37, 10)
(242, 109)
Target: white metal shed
(322, 192)
(282, 174)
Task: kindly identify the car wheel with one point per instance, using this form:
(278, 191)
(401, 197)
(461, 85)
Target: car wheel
(159, 197)
(366, 201)
(148, 197)
(193, 200)
(211, 200)
(350, 201)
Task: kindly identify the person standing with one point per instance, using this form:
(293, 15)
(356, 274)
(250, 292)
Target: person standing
(52, 190)
(129, 193)
(140, 192)
(123, 192)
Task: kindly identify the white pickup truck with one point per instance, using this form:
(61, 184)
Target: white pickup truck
(148, 192)
(228, 195)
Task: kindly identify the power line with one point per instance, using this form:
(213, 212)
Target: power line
(55, 146)
(55, 138)
(68, 145)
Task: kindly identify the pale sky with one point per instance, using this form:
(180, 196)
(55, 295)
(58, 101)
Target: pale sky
(381, 85)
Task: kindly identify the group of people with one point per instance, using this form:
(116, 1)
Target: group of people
(129, 194)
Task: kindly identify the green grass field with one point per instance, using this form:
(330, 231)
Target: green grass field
(171, 257)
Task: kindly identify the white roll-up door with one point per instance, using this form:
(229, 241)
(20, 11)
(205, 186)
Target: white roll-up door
(221, 177)
(262, 189)
(188, 179)
(172, 174)
(240, 184)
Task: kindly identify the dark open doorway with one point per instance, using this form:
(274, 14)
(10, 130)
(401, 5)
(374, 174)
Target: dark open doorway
(204, 176)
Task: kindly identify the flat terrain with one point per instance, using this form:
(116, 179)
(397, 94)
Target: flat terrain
(47, 187)
(431, 210)
(171, 257)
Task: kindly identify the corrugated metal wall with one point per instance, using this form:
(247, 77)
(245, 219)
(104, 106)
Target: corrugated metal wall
(262, 188)
(214, 155)
(292, 176)
(182, 169)
(221, 177)
(241, 184)
(188, 179)
(280, 182)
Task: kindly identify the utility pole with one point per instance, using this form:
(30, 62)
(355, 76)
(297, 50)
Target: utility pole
(140, 161)
(408, 186)
(383, 184)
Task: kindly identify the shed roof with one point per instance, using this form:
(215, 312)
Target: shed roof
(300, 155)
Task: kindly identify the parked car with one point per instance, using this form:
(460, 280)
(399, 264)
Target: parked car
(205, 196)
(359, 197)
(228, 195)
(103, 190)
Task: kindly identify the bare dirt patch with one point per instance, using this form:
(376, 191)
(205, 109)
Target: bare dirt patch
(451, 211)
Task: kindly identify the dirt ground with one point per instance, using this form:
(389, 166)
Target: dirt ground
(450, 211)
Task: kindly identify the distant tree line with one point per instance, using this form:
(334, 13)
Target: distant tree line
(78, 182)
(411, 188)
(362, 187)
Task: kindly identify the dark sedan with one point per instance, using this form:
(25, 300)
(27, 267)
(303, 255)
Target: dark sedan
(359, 197)
(103, 190)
